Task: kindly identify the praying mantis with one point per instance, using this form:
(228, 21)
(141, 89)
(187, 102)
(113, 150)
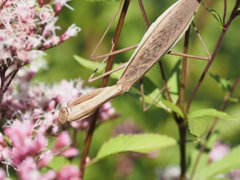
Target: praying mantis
(162, 36)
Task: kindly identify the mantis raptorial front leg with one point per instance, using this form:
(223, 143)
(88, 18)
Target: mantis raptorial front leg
(162, 36)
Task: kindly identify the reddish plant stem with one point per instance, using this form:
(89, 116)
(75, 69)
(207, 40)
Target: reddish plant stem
(205, 70)
(88, 141)
(182, 135)
(104, 83)
(4, 84)
(144, 14)
(164, 80)
(115, 39)
(184, 72)
(182, 127)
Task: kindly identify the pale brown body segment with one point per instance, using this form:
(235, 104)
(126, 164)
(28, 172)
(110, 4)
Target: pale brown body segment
(165, 34)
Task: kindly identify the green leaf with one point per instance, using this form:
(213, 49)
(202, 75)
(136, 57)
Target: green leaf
(215, 15)
(58, 162)
(219, 179)
(232, 99)
(230, 162)
(93, 65)
(173, 107)
(8, 141)
(174, 81)
(197, 126)
(210, 112)
(225, 84)
(138, 143)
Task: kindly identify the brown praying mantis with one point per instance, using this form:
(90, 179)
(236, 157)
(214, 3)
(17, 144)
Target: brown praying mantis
(159, 39)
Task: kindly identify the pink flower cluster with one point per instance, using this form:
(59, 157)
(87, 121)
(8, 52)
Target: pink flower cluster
(28, 112)
(26, 29)
(30, 116)
(30, 119)
(26, 150)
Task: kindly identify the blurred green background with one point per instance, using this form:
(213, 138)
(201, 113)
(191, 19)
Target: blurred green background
(93, 18)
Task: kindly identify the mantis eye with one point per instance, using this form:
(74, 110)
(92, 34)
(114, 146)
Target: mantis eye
(63, 115)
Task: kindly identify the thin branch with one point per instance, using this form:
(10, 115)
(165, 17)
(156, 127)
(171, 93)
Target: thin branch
(115, 39)
(224, 11)
(184, 72)
(205, 70)
(88, 142)
(164, 79)
(144, 14)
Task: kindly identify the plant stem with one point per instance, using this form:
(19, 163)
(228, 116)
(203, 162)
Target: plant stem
(144, 14)
(88, 141)
(104, 84)
(205, 70)
(182, 126)
(184, 72)
(115, 39)
(182, 134)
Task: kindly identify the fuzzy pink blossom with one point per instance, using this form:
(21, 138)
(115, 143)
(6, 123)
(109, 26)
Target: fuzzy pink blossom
(51, 174)
(62, 140)
(69, 172)
(71, 32)
(44, 159)
(24, 144)
(3, 174)
(69, 152)
(59, 5)
(219, 151)
(28, 170)
(26, 30)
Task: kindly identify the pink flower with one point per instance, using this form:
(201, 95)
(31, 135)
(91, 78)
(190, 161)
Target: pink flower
(69, 152)
(24, 144)
(44, 159)
(59, 5)
(69, 172)
(2, 174)
(106, 111)
(63, 140)
(219, 151)
(1, 138)
(26, 30)
(71, 32)
(51, 174)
